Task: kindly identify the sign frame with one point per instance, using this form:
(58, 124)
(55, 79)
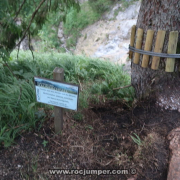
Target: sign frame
(62, 83)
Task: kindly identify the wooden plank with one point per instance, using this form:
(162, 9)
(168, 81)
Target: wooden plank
(172, 46)
(138, 44)
(58, 74)
(133, 32)
(158, 48)
(148, 46)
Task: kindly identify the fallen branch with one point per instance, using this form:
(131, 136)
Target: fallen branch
(15, 127)
(104, 164)
(123, 87)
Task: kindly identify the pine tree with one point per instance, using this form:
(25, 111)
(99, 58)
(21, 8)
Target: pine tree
(21, 18)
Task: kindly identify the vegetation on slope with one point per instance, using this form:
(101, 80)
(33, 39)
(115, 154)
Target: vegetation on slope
(76, 21)
(19, 110)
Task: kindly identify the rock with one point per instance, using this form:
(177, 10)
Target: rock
(60, 31)
(127, 67)
(19, 166)
(24, 44)
(130, 13)
(125, 28)
(113, 32)
(97, 39)
(107, 39)
(63, 40)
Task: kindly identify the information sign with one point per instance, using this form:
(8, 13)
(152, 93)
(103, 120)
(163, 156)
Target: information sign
(56, 93)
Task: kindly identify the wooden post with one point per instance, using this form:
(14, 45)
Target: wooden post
(133, 31)
(58, 74)
(148, 45)
(138, 45)
(172, 45)
(158, 48)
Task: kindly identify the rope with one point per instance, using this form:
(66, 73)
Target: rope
(140, 51)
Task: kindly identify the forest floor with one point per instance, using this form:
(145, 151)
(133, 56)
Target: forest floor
(110, 136)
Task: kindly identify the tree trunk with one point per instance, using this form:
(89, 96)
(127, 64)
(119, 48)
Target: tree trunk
(158, 84)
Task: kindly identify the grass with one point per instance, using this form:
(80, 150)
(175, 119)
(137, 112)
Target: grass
(136, 139)
(19, 110)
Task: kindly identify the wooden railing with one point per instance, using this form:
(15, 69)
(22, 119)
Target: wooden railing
(172, 46)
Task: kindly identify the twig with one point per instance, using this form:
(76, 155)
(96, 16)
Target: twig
(50, 139)
(76, 146)
(30, 47)
(18, 52)
(34, 2)
(104, 164)
(33, 15)
(19, 9)
(6, 64)
(123, 87)
(142, 128)
(15, 127)
(80, 85)
(50, 5)
(155, 124)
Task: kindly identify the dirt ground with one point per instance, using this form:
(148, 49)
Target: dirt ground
(107, 136)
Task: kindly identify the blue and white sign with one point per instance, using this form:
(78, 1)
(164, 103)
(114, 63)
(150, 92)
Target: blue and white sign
(55, 93)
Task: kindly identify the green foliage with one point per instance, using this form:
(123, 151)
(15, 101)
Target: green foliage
(19, 110)
(19, 18)
(17, 106)
(45, 143)
(100, 6)
(76, 21)
(49, 32)
(83, 99)
(71, 41)
(89, 127)
(96, 88)
(78, 116)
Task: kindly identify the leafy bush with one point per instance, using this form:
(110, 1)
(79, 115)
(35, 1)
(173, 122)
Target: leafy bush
(49, 33)
(76, 21)
(100, 6)
(18, 107)
(19, 110)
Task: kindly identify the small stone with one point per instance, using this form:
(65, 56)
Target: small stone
(19, 166)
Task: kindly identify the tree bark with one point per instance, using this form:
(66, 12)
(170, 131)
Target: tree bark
(163, 86)
(174, 164)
